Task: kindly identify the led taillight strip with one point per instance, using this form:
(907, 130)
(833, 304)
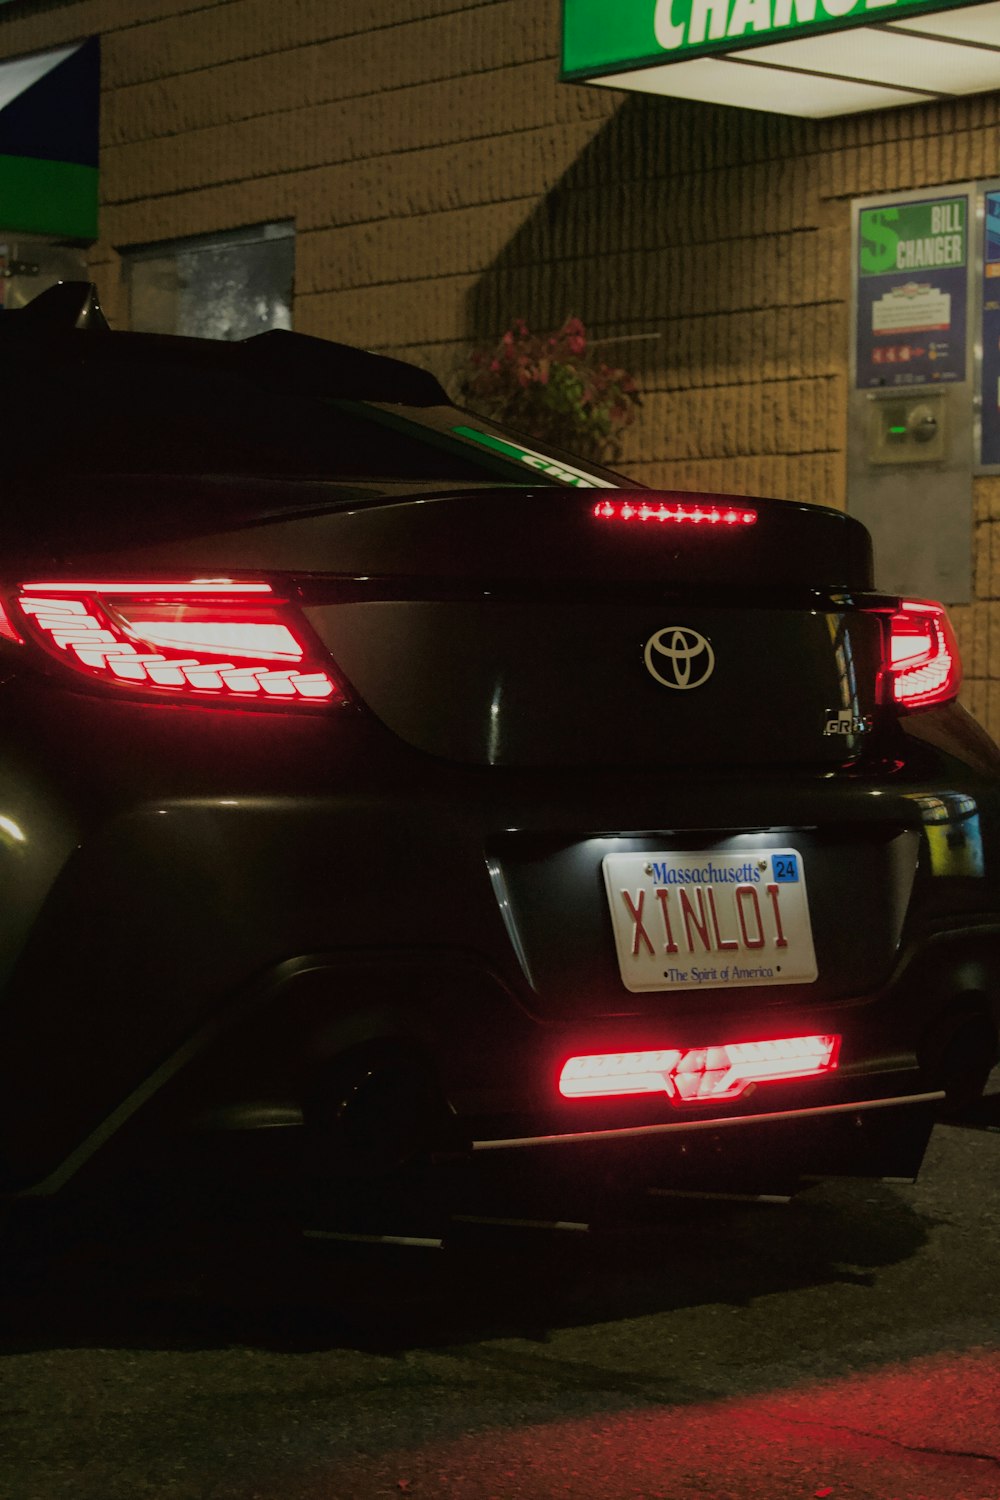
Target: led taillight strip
(697, 1075)
(69, 619)
(677, 512)
(206, 587)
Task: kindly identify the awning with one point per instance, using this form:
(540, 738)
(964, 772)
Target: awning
(49, 138)
(792, 57)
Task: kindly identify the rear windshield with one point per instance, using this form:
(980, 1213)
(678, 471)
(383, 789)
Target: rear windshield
(91, 413)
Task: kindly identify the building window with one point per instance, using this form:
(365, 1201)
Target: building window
(221, 286)
(30, 265)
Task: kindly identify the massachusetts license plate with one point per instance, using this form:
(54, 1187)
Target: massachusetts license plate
(709, 920)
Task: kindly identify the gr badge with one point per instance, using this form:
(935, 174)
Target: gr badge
(847, 722)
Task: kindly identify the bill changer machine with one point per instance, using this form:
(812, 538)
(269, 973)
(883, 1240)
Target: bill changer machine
(924, 407)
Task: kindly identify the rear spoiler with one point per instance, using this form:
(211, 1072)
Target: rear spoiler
(298, 360)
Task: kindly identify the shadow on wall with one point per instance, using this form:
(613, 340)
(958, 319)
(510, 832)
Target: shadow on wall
(695, 244)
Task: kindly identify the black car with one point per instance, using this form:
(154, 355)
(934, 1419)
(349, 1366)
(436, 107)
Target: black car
(381, 782)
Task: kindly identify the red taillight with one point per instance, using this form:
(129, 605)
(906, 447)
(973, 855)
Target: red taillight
(201, 638)
(699, 1075)
(923, 665)
(6, 628)
(676, 511)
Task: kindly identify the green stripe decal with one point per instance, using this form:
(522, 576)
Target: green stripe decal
(552, 468)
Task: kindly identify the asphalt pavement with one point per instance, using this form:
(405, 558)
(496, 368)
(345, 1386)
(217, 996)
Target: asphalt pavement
(845, 1346)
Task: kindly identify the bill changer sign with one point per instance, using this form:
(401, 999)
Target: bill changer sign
(609, 35)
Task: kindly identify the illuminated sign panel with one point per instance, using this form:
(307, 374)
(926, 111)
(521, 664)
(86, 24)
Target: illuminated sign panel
(807, 57)
(988, 343)
(912, 292)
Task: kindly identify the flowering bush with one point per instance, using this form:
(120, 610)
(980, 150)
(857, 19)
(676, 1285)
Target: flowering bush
(553, 390)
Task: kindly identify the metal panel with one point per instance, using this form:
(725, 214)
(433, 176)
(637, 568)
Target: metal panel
(918, 503)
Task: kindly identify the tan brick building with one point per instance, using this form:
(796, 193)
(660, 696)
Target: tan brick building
(441, 180)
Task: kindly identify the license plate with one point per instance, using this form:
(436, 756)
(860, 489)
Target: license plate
(693, 919)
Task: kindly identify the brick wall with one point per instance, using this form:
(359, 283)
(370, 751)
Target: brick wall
(442, 181)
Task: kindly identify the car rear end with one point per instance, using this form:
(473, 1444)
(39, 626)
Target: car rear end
(628, 834)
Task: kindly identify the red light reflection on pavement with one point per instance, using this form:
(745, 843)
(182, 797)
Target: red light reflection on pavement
(929, 1430)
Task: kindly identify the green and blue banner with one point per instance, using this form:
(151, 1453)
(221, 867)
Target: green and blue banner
(990, 334)
(49, 141)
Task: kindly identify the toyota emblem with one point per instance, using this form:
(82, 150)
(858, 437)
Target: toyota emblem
(679, 657)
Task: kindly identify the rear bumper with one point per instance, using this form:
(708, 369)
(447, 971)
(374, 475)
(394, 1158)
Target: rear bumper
(770, 1154)
(292, 1057)
(184, 962)
(789, 1119)
(926, 1037)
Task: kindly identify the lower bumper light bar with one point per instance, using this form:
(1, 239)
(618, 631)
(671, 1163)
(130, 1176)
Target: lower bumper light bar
(698, 1075)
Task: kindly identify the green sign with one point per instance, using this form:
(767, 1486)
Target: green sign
(610, 36)
(913, 237)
